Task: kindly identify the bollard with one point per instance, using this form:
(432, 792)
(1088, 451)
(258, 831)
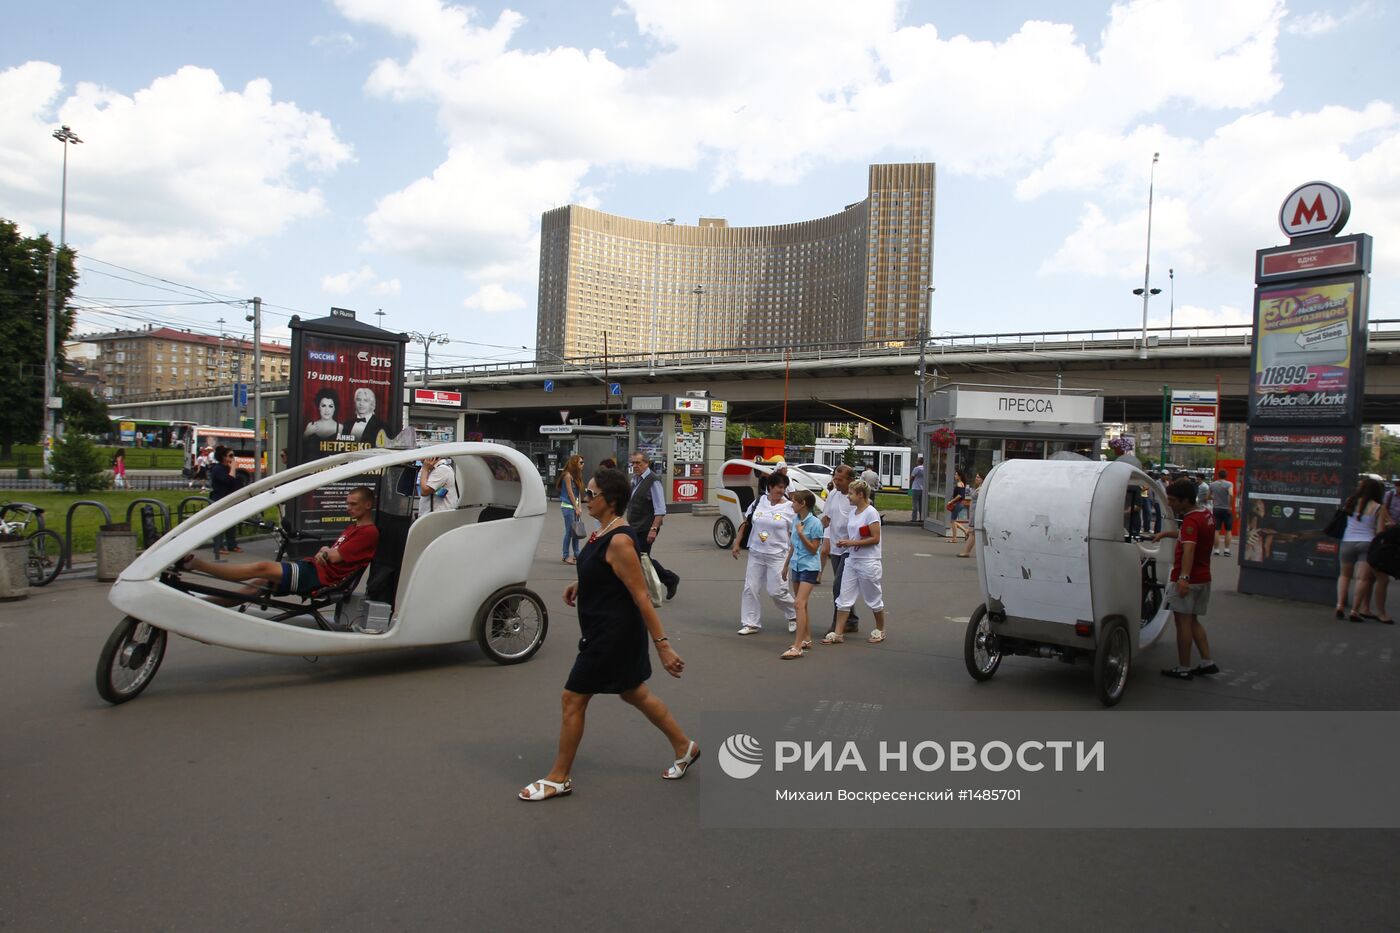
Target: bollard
(149, 534)
(116, 549)
(14, 568)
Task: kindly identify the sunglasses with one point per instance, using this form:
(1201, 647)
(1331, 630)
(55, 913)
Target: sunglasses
(588, 495)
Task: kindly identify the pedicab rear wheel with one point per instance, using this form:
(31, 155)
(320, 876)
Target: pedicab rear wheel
(724, 532)
(981, 653)
(129, 660)
(512, 624)
(1112, 661)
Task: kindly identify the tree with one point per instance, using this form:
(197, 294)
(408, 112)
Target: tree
(23, 308)
(799, 433)
(78, 464)
(83, 411)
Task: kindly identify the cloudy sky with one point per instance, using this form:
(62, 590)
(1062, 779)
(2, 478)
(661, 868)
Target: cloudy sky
(397, 154)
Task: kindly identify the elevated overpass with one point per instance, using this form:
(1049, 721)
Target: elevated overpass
(876, 381)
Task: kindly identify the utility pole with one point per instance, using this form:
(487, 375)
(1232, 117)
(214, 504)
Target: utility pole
(66, 136)
(379, 314)
(256, 318)
(223, 357)
(1147, 291)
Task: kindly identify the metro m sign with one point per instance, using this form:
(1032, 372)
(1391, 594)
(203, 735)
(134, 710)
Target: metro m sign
(1314, 208)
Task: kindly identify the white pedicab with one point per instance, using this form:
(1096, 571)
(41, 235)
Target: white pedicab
(739, 485)
(452, 576)
(1063, 574)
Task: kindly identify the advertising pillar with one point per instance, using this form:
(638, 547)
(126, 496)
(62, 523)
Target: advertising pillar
(345, 395)
(1307, 385)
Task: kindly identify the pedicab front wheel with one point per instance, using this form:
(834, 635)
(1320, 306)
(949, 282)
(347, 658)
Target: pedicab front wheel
(512, 624)
(129, 660)
(724, 532)
(1112, 661)
(981, 653)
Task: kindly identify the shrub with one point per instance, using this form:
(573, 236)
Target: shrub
(78, 464)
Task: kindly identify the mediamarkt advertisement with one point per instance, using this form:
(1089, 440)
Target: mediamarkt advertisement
(1306, 339)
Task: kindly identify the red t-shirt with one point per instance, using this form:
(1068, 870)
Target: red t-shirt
(356, 545)
(1198, 526)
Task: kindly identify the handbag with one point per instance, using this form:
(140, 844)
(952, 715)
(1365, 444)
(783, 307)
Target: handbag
(654, 588)
(579, 530)
(1337, 526)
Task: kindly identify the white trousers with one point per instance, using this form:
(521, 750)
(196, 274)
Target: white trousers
(764, 573)
(863, 577)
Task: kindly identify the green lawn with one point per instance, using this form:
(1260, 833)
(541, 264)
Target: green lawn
(897, 501)
(86, 520)
(137, 458)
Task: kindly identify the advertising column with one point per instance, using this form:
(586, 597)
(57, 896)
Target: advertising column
(345, 395)
(1307, 385)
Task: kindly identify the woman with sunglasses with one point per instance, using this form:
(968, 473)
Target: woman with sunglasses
(617, 622)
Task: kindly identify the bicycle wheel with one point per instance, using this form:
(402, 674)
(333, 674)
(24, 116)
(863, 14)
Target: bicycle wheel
(45, 557)
(129, 660)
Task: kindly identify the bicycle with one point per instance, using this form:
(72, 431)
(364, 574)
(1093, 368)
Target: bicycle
(45, 546)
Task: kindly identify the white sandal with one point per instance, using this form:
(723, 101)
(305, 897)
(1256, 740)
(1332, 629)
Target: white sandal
(877, 636)
(682, 765)
(831, 638)
(537, 790)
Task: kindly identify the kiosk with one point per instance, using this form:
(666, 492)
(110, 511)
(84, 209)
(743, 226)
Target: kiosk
(683, 435)
(993, 424)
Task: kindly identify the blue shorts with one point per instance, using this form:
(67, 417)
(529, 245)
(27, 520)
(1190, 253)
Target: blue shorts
(298, 579)
(804, 576)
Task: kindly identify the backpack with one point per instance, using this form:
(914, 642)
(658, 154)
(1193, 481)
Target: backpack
(1384, 552)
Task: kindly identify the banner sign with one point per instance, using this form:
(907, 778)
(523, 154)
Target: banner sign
(688, 490)
(1294, 480)
(1194, 417)
(345, 394)
(1342, 254)
(1309, 353)
(444, 397)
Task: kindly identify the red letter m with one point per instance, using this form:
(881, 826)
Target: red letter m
(1303, 213)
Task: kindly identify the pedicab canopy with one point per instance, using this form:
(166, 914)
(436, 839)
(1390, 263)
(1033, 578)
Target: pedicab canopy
(1054, 544)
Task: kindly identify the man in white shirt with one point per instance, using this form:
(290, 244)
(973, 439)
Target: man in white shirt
(836, 517)
(437, 486)
(872, 479)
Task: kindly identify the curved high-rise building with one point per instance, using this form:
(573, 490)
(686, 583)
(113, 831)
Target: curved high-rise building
(858, 275)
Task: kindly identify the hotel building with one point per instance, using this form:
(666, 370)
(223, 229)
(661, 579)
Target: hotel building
(859, 275)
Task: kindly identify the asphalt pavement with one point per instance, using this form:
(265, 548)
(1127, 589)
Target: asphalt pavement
(244, 791)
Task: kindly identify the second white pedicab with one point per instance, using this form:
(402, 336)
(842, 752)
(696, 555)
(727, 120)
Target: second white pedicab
(1064, 571)
(738, 487)
(455, 575)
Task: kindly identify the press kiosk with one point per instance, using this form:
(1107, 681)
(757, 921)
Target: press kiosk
(973, 428)
(683, 435)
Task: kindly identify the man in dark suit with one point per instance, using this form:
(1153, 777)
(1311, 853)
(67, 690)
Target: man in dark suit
(366, 426)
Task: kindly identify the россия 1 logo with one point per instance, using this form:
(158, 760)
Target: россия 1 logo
(740, 756)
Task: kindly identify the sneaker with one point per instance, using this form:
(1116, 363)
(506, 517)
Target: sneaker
(749, 630)
(1227, 552)
(1179, 673)
(792, 626)
(1216, 552)
(672, 587)
(1211, 668)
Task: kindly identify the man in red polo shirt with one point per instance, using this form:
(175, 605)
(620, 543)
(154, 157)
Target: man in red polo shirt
(351, 551)
(1188, 594)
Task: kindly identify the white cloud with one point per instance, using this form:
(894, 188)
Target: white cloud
(1311, 24)
(344, 283)
(1195, 316)
(386, 288)
(493, 298)
(339, 42)
(169, 177)
(803, 82)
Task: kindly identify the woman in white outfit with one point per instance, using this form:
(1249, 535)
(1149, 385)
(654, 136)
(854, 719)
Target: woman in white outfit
(863, 567)
(770, 540)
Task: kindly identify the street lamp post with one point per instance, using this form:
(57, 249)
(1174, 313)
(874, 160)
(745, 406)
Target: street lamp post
(1146, 291)
(698, 291)
(66, 136)
(427, 340)
(1171, 316)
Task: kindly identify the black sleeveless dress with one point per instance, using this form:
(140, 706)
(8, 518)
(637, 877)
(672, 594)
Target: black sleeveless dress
(614, 652)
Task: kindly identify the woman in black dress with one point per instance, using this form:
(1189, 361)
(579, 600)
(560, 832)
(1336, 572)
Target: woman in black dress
(617, 620)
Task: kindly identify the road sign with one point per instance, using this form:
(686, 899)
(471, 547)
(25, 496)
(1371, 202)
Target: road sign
(240, 395)
(549, 385)
(1194, 417)
(564, 415)
(615, 388)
